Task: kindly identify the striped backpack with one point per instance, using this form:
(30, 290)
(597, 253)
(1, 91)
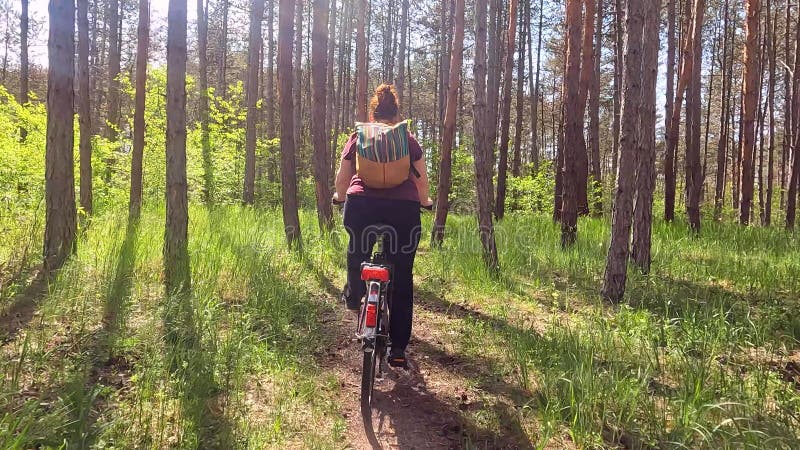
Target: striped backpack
(382, 156)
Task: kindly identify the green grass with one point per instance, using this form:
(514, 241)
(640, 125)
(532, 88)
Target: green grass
(696, 357)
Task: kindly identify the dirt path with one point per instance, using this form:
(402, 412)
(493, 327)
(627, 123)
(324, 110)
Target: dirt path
(424, 407)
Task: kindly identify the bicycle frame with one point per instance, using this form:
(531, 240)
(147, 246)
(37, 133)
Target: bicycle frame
(374, 317)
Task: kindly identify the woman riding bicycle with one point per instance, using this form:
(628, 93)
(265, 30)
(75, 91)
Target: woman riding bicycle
(370, 203)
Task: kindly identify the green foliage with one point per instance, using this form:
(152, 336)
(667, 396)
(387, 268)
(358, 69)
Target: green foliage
(532, 192)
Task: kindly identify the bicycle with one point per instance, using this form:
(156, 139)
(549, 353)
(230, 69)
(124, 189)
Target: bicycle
(373, 319)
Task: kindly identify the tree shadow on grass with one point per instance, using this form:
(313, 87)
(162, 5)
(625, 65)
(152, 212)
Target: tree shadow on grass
(22, 309)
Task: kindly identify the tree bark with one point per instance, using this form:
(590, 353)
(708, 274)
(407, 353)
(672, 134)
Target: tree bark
(694, 182)
(23, 63)
(751, 89)
(684, 79)
(520, 107)
(297, 85)
(508, 70)
(84, 108)
(177, 275)
(773, 42)
(594, 114)
(722, 144)
(534, 88)
(222, 56)
(586, 74)
(399, 82)
(573, 126)
(794, 179)
(787, 107)
(291, 220)
(319, 128)
(669, 162)
(619, 17)
(112, 125)
(483, 169)
(449, 132)
(270, 81)
(615, 275)
(646, 164)
(251, 101)
(493, 77)
(205, 139)
(361, 61)
(331, 92)
(139, 125)
(60, 214)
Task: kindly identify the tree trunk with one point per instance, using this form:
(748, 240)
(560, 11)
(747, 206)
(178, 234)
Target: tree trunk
(7, 42)
(646, 164)
(573, 126)
(618, 58)
(270, 81)
(685, 77)
(361, 62)
(251, 101)
(615, 275)
(722, 144)
(399, 82)
(508, 70)
(297, 84)
(23, 63)
(586, 74)
(319, 128)
(787, 107)
(291, 220)
(449, 132)
(534, 88)
(773, 42)
(750, 88)
(669, 162)
(594, 114)
(444, 63)
(794, 179)
(330, 103)
(222, 56)
(694, 182)
(60, 221)
(483, 169)
(139, 125)
(112, 125)
(177, 275)
(205, 139)
(84, 108)
(493, 78)
(520, 107)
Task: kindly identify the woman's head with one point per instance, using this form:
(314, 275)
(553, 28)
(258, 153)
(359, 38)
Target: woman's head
(384, 106)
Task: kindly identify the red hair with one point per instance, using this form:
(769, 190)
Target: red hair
(384, 104)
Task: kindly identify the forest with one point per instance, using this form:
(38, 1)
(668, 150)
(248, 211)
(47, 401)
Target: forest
(612, 259)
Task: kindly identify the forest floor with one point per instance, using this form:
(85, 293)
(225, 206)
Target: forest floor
(704, 353)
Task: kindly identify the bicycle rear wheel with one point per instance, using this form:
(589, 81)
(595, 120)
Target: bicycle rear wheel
(368, 383)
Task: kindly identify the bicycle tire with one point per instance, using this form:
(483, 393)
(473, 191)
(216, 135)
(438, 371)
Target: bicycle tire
(368, 383)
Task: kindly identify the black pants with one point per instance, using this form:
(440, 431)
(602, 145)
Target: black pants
(361, 215)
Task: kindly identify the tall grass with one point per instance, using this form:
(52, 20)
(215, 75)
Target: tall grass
(696, 357)
(108, 360)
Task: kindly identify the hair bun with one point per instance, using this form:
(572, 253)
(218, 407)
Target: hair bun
(384, 104)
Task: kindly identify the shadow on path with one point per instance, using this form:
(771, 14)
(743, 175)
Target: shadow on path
(23, 307)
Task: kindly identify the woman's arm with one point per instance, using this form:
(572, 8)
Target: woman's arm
(423, 186)
(343, 177)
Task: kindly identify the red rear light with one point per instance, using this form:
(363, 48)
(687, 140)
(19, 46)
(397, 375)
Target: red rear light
(371, 320)
(373, 273)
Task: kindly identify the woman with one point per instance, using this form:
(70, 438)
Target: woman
(398, 207)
